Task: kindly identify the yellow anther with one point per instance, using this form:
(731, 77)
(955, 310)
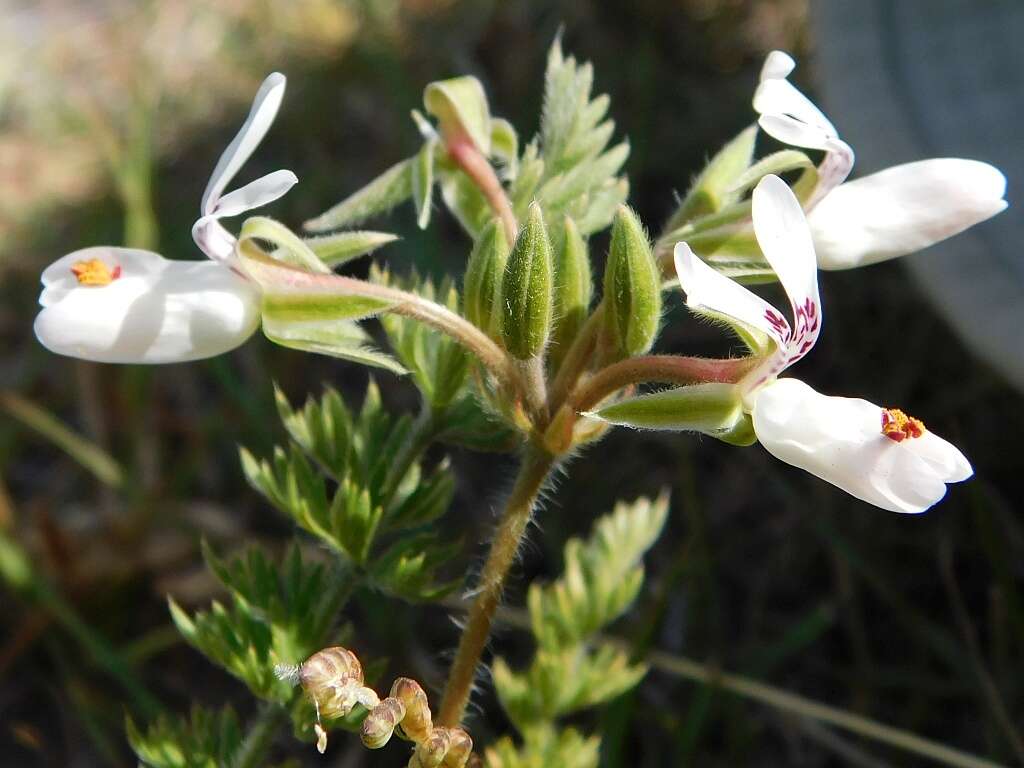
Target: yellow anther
(897, 426)
(95, 272)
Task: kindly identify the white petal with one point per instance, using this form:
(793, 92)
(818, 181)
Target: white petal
(832, 171)
(785, 240)
(265, 189)
(156, 311)
(948, 460)
(793, 132)
(840, 440)
(903, 209)
(777, 66)
(215, 241)
(58, 279)
(708, 290)
(261, 115)
(781, 97)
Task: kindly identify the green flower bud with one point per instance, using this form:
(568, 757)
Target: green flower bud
(632, 287)
(481, 292)
(527, 289)
(574, 287)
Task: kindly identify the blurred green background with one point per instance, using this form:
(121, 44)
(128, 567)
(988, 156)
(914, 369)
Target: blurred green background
(112, 114)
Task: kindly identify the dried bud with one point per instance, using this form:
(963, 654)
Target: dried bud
(381, 723)
(460, 748)
(527, 289)
(632, 288)
(333, 679)
(574, 287)
(484, 274)
(417, 723)
(431, 752)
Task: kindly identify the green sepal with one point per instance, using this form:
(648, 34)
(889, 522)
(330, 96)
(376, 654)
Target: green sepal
(345, 340)
(632, 287)
(777, 163)
(485, 271)
(527, 289)
(423, 181)
(713, 409)
(289, 248)
(714, 188)
(460, 106)
(339, 248)
(392, 187)
(574, 289)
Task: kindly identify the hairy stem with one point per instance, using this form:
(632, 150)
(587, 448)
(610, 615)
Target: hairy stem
(481, 173)
(260, 737)
(666, 369)
(535, 469)
(576, 359)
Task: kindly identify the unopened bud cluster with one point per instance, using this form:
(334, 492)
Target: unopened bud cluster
(333, 679)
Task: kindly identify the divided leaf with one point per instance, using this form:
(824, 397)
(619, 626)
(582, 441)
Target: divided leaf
(206, 739)
(544, 747)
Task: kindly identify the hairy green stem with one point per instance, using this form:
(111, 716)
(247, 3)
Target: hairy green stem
(260, 737)
(533, 473)
(576, 359)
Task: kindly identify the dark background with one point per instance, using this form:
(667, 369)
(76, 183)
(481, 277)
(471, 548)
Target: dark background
(915, 621)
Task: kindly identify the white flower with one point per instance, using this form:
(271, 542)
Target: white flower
(125, 305)
(879, 455)
(884, 215)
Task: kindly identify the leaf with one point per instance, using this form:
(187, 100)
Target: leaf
(439, 365)
(89, 455)
(335, 338)
(342, 247)
(717, 185)
(408, 569)
(460, 106)
(207, 739)
(423, 181)
(392, 187)
(602, 575)
(545, 747)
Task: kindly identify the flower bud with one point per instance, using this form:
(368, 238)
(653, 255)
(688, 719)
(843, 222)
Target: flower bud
(380, 724)
(417, 723)
(632, 288)
(574, 287)
(527, 288)
(484, 274)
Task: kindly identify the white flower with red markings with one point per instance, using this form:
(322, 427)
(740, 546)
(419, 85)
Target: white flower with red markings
(878, 455)
(127, 305)
(891, 213)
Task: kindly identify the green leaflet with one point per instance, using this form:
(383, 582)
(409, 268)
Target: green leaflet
(206, 739)
(423, 181)
(342, 339)
(339, 248)
(392, 187)
(716, 187)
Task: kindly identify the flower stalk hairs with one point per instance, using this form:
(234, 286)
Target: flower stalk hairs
(126, 305)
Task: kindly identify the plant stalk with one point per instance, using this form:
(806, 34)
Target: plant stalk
(465, 154)
(537, 465)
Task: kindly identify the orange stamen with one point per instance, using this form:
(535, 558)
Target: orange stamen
(897, 426)
(95, 272)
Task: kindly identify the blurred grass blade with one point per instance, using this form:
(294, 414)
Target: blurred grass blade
(88, 454)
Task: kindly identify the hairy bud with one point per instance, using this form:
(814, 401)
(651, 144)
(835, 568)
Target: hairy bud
(527, 289)
(484, 274)
(632, 288)
(574, 287)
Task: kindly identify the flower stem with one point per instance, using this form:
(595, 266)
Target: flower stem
(666, 369)
(481, 173)
(537, 465)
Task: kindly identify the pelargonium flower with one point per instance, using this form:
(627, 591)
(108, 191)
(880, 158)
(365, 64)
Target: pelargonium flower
(887, 214)
(127, 305)
(879, 455)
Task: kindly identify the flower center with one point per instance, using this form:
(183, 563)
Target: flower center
(95, 272)
(897, 426)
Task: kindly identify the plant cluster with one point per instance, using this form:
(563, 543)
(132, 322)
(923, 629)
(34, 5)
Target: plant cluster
(529, 353)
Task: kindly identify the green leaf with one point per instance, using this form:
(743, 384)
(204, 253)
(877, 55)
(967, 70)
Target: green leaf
(439, 364)
(342, 247)
(408, 569)
(602, 575)
(460, 106)
(545, 747)
(717, 186)
(470, 425)
(423, 181)
(712, 409)
(392, 187)
(336, 338)
(207, 739)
